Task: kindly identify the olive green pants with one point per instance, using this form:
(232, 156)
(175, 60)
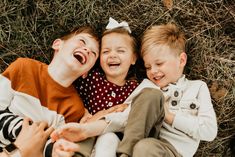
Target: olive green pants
(86, 147)
(141, 135)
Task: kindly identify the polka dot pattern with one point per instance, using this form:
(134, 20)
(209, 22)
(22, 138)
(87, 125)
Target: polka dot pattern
(99, 94)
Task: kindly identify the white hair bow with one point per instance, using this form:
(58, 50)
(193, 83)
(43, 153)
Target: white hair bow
(114, 24)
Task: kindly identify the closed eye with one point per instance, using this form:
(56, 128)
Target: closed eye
(83, 41)
(121, 51)
(104, 52)
(159, 64)
(147, 68)
(95, 54)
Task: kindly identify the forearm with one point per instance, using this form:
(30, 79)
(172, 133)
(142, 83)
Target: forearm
(203, 127)
(96, 128)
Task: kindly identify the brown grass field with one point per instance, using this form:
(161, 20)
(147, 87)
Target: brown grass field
(28, 27)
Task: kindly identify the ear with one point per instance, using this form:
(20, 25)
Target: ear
(85, 75)
(183, 59)
(56, 44)
(134, 58)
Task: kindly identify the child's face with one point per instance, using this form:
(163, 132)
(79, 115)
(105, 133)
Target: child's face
(79, 52)
(163, 65)
(116, 55)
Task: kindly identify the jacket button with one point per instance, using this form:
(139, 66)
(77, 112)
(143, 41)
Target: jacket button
(192, 106)
(174, 103)
(176, 93)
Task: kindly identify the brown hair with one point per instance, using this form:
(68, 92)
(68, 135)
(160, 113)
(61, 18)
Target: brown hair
(78, 30)
(166, 34)
(121, 30)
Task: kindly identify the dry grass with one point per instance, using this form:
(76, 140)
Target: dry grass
(27, 27)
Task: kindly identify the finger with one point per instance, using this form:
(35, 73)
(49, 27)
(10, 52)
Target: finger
(68, 146)
(83, 120)
(61, 153)
(43, 125)
(49, 131)
(58, 150)
(54, 136)
(25, 122)
(84, 75)
(110, 110)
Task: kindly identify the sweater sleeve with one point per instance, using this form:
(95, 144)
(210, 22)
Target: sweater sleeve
(10, 124)
(203, 126)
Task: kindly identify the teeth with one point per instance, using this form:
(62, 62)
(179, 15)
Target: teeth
(114, 64)
(157, 78)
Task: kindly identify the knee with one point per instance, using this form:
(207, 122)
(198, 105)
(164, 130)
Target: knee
(152, 93)
(152, 97)
(108, 139)
(141, 148)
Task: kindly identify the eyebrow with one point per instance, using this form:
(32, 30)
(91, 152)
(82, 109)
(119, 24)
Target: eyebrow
(121, 47)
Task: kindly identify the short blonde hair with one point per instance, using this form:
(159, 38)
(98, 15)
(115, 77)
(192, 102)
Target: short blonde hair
(166, 34)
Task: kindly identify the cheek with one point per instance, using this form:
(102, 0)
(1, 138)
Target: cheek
(134, 58)
(102, 61)
(148, 74)
(102, 58)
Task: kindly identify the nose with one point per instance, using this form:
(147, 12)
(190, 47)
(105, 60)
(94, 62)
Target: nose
(86, 49)
(112, 54)
(154, 70)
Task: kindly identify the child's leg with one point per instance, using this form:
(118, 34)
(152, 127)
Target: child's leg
(152, 147)
(145, 119)
(86, 147)
(106, 145)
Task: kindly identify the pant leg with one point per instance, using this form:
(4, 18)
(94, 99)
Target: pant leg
(86, 147)
(106, 145)
(152, 147)
(145, 119)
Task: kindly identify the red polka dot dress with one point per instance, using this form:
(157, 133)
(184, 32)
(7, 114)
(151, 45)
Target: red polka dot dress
(99, 94)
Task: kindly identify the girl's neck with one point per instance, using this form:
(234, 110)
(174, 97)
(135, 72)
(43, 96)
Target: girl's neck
(117, 81)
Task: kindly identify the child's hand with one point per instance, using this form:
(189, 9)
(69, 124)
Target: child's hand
(102, 113)
(118, 108)
(64, 148)
(169, 117)
(71, 131)
(76, 132)
(32, 136)
(97, 116)
(86, 117)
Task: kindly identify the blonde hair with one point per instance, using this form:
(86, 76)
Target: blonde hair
(167, 34)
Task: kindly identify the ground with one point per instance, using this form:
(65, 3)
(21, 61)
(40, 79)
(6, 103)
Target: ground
(28, 27)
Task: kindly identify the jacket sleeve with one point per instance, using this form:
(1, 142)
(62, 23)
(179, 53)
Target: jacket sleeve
(117, 120)
(202, 126)
(10, 124)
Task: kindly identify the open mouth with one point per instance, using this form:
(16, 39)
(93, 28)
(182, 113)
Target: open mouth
(114, 65)
(158, 78)
(80, 57)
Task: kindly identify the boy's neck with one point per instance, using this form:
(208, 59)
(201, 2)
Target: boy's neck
(61, 74)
